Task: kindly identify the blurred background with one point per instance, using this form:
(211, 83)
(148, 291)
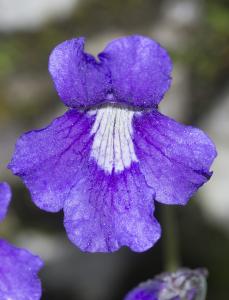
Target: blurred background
(196, 34)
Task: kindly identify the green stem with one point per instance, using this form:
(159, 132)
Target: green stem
(170, 239)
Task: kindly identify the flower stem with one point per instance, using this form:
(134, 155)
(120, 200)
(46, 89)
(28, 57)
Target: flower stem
(170, 242)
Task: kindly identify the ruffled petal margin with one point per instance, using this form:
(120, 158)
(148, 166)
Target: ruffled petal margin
(18, 273)
(5, 197)
(104, 212)
(175, 159)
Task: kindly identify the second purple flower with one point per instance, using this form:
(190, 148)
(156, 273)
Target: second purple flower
(112, 153)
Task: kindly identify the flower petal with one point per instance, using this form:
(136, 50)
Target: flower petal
(5, 197)
(174, 158)
(48, 161)
(18, 273)
(140, 70)
(104, 212)
(79, 79)
(134, 70)
(104, 209)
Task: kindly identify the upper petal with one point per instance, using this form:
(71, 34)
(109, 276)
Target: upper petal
(133, 70)
(79, 79)
(175, 159)
(140, 70)
(5, 197)
(18, 273)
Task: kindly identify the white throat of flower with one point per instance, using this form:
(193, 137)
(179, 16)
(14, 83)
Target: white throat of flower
(112, 147)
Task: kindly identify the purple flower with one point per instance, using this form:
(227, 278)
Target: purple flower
(112, 153)
(18, 267)
(185, 284)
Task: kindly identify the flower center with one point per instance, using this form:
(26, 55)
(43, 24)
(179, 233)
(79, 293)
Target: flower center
(113, 147)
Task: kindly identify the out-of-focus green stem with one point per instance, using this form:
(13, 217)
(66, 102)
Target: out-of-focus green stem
(170, 239)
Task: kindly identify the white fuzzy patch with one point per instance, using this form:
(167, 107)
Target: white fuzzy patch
(113, 147)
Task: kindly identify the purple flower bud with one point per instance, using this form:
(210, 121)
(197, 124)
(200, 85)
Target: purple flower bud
(185, 284)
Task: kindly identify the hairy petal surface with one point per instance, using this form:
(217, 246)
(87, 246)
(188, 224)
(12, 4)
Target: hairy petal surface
(5, 197)
(140, 70)
(18, 273)
(175, 159)
(107, 211)
(50, 160)
(79, 79)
